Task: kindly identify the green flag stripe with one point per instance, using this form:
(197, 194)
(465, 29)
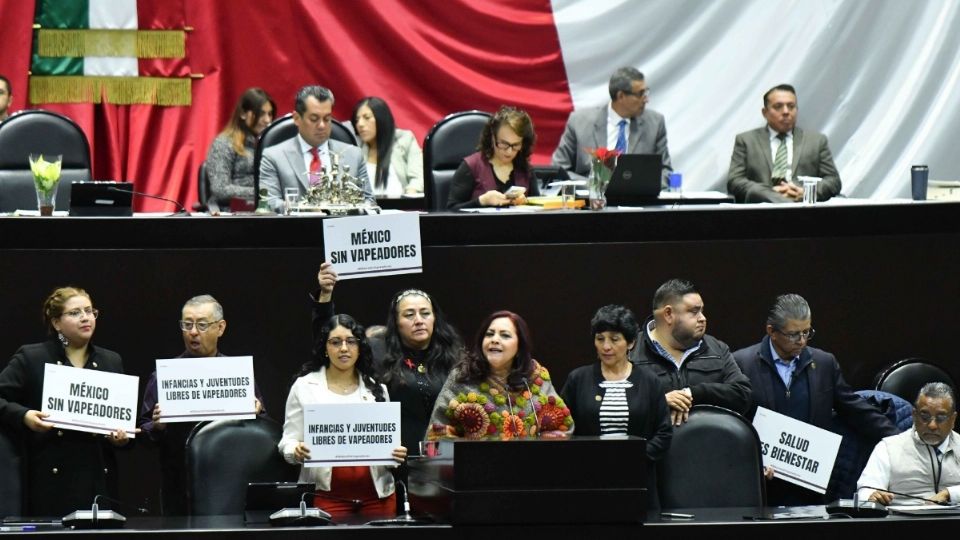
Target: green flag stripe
(63, 14)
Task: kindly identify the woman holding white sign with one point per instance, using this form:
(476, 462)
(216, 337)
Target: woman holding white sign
(499, 391)
(65, 469)
(340, 373)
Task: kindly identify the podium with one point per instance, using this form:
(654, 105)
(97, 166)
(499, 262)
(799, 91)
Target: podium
(533, 481)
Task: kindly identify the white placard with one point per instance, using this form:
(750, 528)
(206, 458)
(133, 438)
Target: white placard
(90, 400)
(212, 388)
(347, 434)
(798, 452)
(370, 246)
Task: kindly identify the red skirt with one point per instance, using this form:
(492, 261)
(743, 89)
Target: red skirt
(352, 493)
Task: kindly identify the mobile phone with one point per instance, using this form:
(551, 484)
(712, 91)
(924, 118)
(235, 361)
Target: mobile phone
(515, 192)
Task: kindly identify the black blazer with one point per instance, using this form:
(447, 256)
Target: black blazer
(65, 469)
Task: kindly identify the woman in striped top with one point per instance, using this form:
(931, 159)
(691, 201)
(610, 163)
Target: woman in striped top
(613, 397)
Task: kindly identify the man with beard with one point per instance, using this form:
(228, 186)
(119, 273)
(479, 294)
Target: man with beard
(201, 325)
(692, 367)
(923, 461)
(805, 383)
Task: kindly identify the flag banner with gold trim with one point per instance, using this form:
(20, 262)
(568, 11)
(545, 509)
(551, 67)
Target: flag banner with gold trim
(115, 51)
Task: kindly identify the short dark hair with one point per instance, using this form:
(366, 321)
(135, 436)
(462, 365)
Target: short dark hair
(475, 368)
(787, 307)
(937, 390)
(321, 93)
(672, 291)
(520, 123)
(622, 80)
(781, 88)
(614, 318)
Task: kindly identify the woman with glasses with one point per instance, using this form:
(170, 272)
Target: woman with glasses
(340, 372)
(613, 397)
(499, 391)
(65, 469)
(499, 174)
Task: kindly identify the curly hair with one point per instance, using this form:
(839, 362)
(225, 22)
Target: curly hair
(364, 365)
(521, 124)
(475, 368)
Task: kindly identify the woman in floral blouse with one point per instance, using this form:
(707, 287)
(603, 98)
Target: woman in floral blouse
(499, 391)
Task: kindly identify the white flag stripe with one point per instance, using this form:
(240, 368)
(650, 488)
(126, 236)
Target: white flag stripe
(113, 14)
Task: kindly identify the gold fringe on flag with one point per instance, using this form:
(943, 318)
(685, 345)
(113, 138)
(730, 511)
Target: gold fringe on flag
(166, 91)
(112, 43)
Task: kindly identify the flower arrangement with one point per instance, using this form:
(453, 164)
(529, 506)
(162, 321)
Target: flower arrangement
(603, 161)
(489, 411)
(46, 178)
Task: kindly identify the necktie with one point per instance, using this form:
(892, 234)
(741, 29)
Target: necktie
(315, 165)
(622, 137)
(780, 160)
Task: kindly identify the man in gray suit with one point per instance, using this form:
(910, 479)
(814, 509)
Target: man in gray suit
(286, 164)
(766, 159)
(625, 124)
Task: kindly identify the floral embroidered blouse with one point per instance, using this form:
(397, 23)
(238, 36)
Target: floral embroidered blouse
(490, 410)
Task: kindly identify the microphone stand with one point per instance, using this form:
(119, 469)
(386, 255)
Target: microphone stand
(98, 519)
(404, 519)
(181, 209)
(300, 517)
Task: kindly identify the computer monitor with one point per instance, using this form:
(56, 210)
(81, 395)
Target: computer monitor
(101, 199)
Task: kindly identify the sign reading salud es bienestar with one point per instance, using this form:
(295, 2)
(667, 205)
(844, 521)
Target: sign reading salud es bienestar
(90, 400)
(799, 453)
(370, 246)
(213, 388)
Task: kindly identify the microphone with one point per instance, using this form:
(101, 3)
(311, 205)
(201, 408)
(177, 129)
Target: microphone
(99, 519)
(898, 494)
(181, 209)
(535, 417)
(300, 517)
(406, 518)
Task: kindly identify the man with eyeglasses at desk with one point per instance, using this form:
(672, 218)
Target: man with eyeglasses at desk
(625, 124)
(805, 383)
(201, 325)
(920, 462)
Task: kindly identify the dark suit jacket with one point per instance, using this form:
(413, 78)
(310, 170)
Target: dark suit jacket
(587, 128)
(828, 390)
(65, 469)
(751, 166)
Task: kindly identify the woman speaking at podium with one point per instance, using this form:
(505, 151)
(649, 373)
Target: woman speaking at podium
(340, 372)
(65, 469)
(499, 391)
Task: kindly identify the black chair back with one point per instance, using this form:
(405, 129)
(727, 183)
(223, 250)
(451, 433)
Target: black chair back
(340, 132)
(714, 461)
(224, 456)
(906, 377)
(203, 189)
(448, 142)
(39, 132)
(11, 476)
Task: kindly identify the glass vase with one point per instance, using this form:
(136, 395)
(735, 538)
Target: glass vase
(599, 178)
(46, 180)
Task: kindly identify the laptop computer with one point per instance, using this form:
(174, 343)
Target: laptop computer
(635, 180)
(265, 498)
(101, 199)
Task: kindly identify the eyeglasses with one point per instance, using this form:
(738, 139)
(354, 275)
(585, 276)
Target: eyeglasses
(202, 326)
(795, 337)
(77, 313)
(642, 93)
(507, 146)
(336, 343)
(926, 417)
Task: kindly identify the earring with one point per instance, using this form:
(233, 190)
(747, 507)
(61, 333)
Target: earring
(63, 339)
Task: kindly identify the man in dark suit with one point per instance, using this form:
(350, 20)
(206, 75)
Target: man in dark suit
(767, 161)
(285, 165)
(625, 124)
(802, 382)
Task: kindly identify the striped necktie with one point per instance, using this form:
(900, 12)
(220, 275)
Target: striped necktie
(780, 160)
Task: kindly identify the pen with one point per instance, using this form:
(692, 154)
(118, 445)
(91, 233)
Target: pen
(676, 515)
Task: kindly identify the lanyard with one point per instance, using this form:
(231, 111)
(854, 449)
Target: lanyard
(936, 469)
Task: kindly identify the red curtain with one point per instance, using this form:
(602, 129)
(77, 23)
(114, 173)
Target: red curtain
(427, 58)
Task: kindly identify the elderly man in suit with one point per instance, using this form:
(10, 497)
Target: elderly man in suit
(625, 124)
(765, 159)
(286, 164)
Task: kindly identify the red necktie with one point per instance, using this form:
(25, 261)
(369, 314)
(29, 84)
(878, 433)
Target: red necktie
(315, 164)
